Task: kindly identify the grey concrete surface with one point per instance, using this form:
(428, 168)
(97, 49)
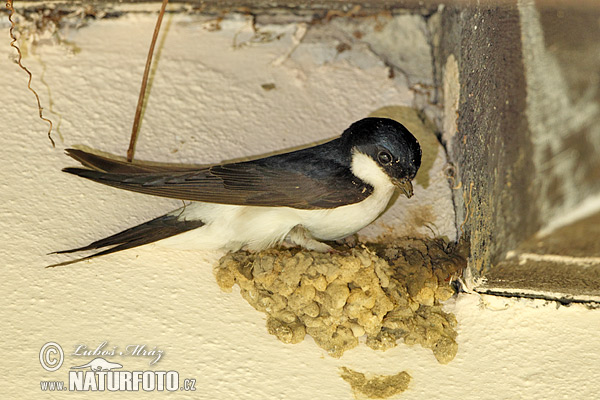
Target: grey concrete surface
(492, 146)
(527, 140)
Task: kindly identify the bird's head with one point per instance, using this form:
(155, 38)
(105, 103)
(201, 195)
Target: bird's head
(386, 144)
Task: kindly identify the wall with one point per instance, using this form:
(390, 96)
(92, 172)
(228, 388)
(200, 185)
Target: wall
(207, 104)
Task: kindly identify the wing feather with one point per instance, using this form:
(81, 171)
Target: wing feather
(285, 180)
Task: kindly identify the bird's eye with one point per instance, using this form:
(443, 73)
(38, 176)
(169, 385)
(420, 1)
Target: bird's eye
(384, 157)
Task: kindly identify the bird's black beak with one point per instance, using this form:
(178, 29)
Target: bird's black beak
(405, 186)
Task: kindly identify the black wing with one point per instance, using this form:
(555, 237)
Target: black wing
(313, 178)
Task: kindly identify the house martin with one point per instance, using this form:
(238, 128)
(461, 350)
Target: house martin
(320, 193)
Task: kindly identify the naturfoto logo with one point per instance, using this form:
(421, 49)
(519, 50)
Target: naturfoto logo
(102, 374)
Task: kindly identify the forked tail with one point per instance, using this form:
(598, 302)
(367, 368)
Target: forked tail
(159, 228)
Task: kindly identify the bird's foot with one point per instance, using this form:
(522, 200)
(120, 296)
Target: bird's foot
(300, 236)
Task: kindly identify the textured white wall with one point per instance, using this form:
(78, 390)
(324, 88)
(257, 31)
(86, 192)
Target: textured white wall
(206, 104)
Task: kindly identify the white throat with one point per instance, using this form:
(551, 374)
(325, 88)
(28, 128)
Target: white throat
(365, 168)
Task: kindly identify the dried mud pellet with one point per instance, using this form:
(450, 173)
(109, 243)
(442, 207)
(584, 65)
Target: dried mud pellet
(287, 333)
(312, 309)
(225, 279)
(425, 296)
(338, 293)
(357, 330)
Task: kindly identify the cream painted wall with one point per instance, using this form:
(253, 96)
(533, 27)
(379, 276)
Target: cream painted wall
(207, 104)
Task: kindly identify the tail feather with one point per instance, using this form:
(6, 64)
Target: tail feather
(105, 164)
(159, 228)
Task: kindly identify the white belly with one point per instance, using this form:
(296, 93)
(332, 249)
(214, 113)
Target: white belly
(233, 227)
(343, 221)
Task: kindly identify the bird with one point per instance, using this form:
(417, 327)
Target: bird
(305, 197)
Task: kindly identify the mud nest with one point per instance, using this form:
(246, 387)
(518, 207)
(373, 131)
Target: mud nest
(381, 292)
